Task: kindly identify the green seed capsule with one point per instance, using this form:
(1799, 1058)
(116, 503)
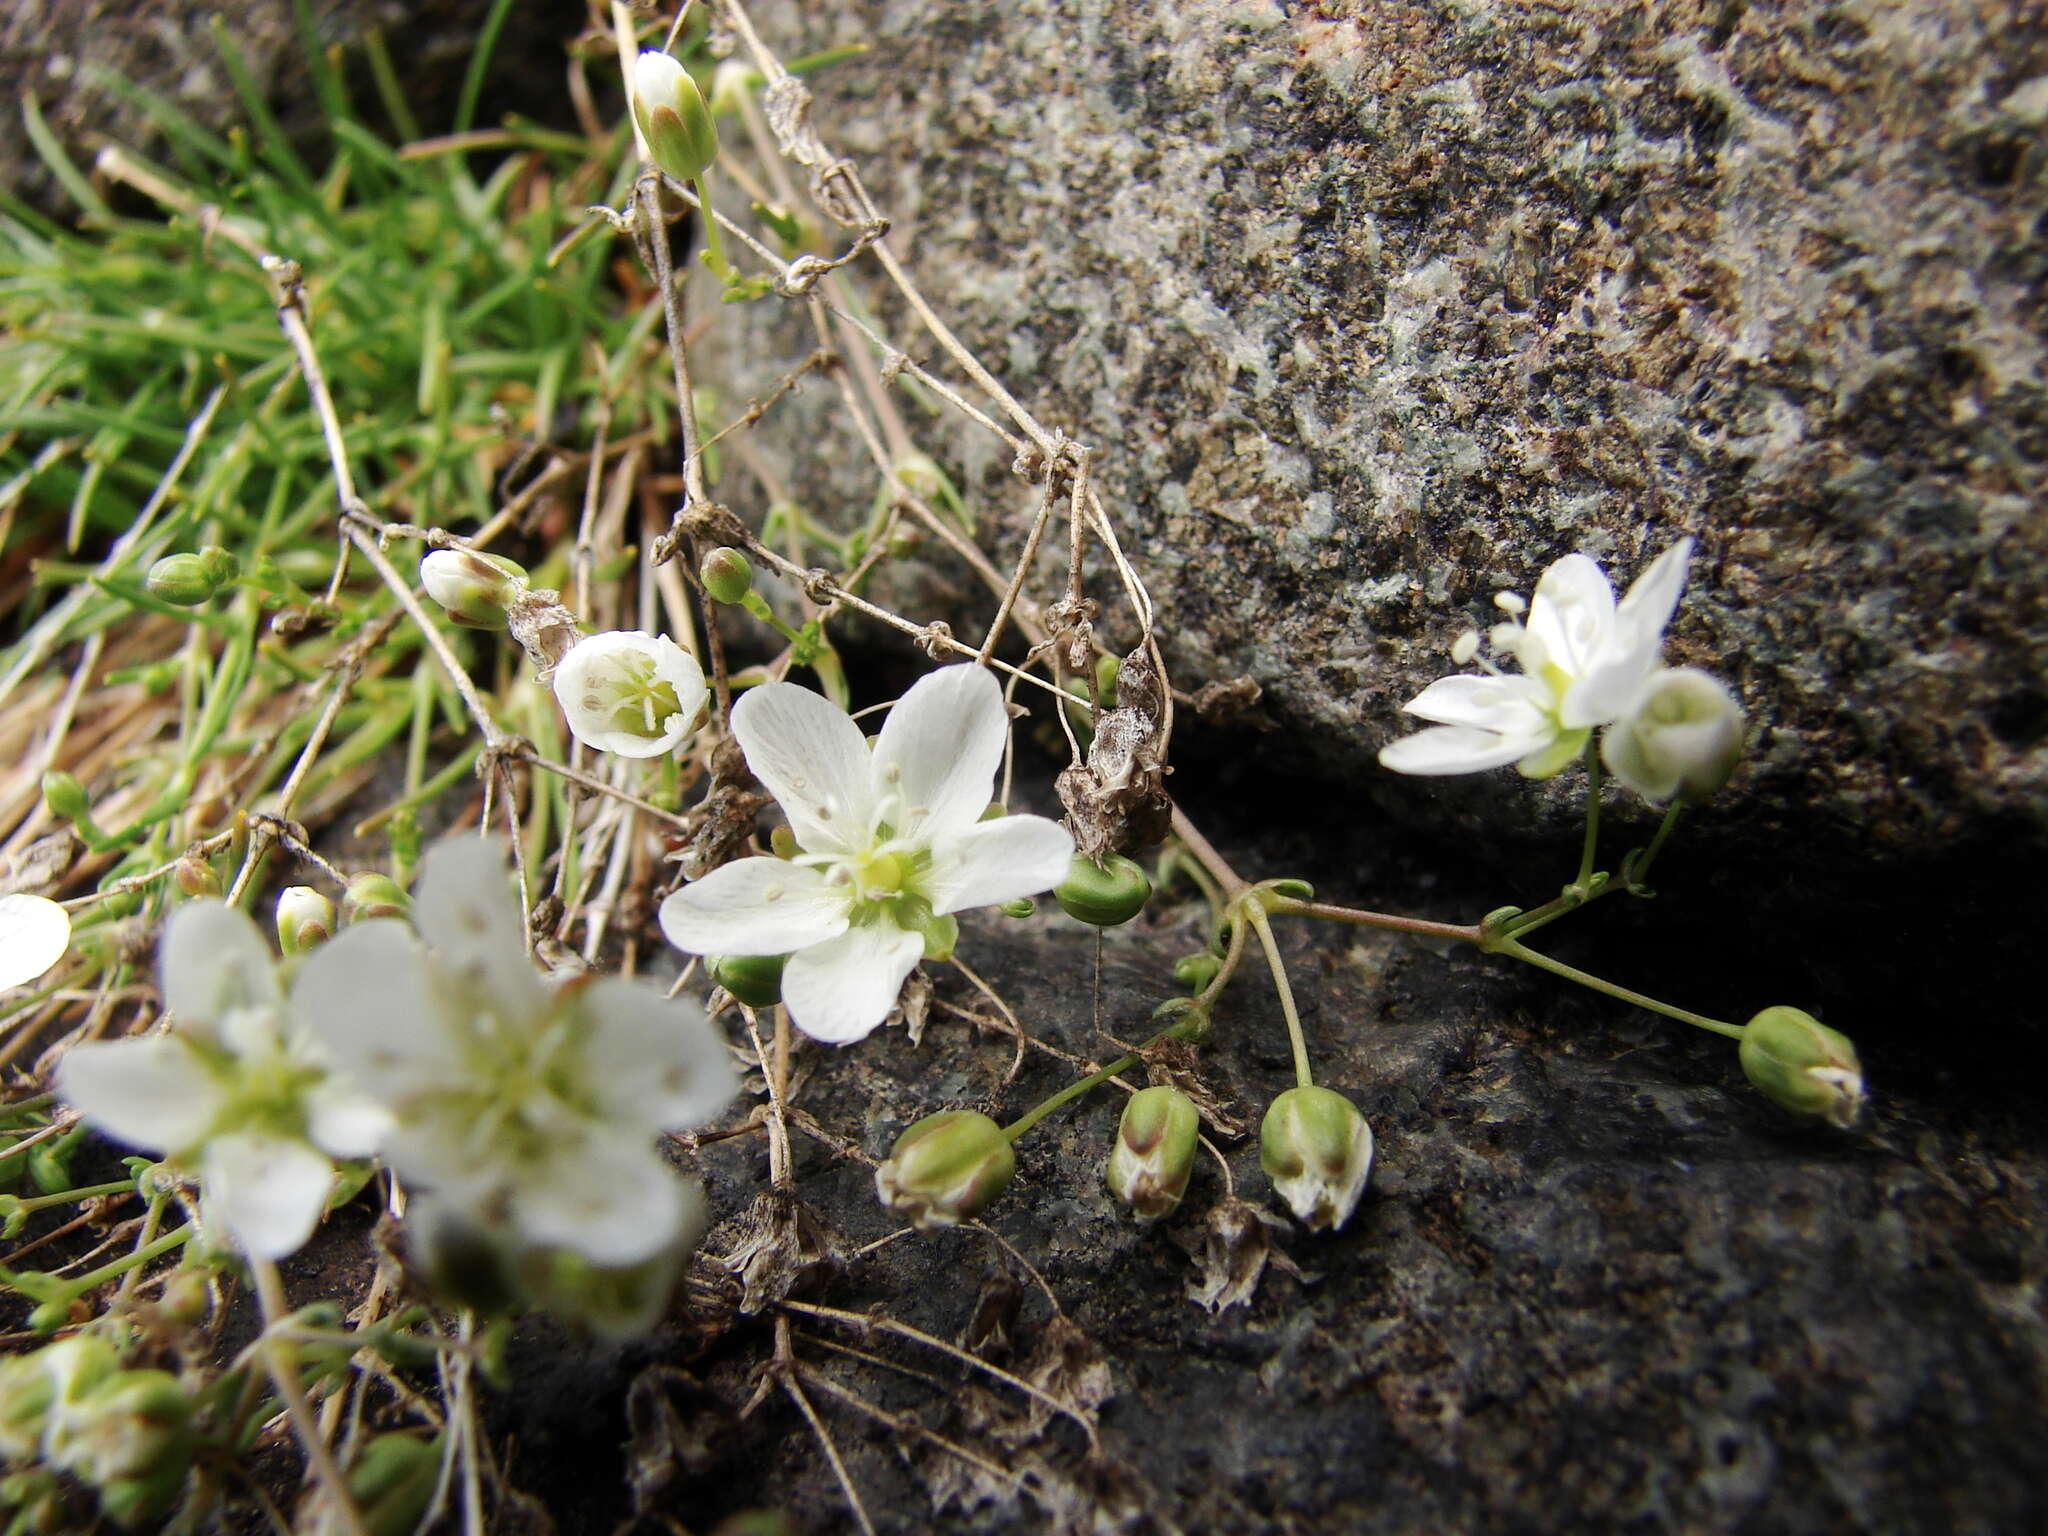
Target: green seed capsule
(1105, 894)
(755, 980)
(727, 575)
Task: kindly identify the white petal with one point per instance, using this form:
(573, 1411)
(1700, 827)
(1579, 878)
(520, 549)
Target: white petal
(999, 860)
(754, 907)
(215, 959)
(814, 761)
(653, 1062)
(345, 1122)
(269, 1190)
(1572, 613)
(1654, 596)
(153, 1093)
(1446, 749)
(34, 933)
(599, 680)
(839, 991)
(609, 1197)
(940, 749)
(465, 910)
(366, 998)
(1502, 704)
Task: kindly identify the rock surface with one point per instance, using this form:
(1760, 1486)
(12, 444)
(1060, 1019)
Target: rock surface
(1372, 309)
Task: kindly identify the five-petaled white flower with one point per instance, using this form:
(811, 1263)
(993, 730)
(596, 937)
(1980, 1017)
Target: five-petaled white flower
(234, 1090)
(892, 840)
(629, 692)
(514, 1106)
(1583, 657)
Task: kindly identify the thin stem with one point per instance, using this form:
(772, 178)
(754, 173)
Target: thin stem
(1074, 1090)
(1592, 847)
(1255, 914)
(277, 1359)
(1517, 950)
(1422, 927)
(1637, 870)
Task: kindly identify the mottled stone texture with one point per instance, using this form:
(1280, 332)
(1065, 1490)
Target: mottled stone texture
(1372, 308)
(62, 52)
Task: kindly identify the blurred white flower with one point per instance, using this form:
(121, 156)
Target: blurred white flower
(629, 692)
(892, 840)
(1583, 658)
(234, 1091)
(513, 1105)
(34, 933)
(1683, 734)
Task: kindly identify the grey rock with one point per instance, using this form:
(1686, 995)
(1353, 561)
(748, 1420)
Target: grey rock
(1371, 310)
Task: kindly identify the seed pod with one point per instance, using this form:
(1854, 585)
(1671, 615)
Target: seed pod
(755, 980)
(1154, 1152)
(1803, 1065)
(1104, 894)
(727, 575)
(1317, 1149)
(947, 1168)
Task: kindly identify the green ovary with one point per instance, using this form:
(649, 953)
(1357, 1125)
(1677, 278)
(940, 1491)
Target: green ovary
(639, 701)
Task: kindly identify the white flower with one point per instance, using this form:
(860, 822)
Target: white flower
(1683, 734)
(892, 837)
(1583, 658)
(513, 1105)
(234, 1090)
(34, 933)
(629, 692)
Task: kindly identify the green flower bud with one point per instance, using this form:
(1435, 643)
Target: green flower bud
(473, 587)
(188, 580)
(783, 844)
(1154, 1152)
(392, 1482)
(1195, 972)
(1104, 894)
(1317, 1149)
(727, 575)
(919, 474)
(187, 1297)
(681, 138)
(1803, 1065)
(1023, 906)
(755, 980)
(304, 918)
(1106, 669)
(65, 797)
(1293, 890)
(947, 1168)
(195, 877)
(371, 895)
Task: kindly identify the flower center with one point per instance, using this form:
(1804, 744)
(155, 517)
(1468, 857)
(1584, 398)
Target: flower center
(633, 699)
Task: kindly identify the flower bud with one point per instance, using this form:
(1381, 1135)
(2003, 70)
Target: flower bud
(371, 895)
(681, 138)
(392, 1481)
(947, 1168)
(1023, 906)
(1154, 1152)
(304, 918)
(755, 980)
(187, 580)
(1802, 1065)
(727, 575)
(1104, 894)
(1317, 1149)
(1195, 972)
(65, 797)
(195, 877)
(1682, 736)
(187, 1297)
(472, 586)
(628, 692)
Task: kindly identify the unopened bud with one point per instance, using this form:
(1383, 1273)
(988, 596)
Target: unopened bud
(727, 575)
(472, 586)
(1023, 906)
(1154, 1152)
(1683, 736)
(1195, 972)
(392, 1481)
(195, 877)
(674, 122)
(371, 895)
(1104, 894)
(304, 918)
(1106, 670)
(65, 797)
(187, 1297)
(1317, 1149)
(919, 474)
(187, 580)
(1803, 1065)
(947, 1168)
(755, 980)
